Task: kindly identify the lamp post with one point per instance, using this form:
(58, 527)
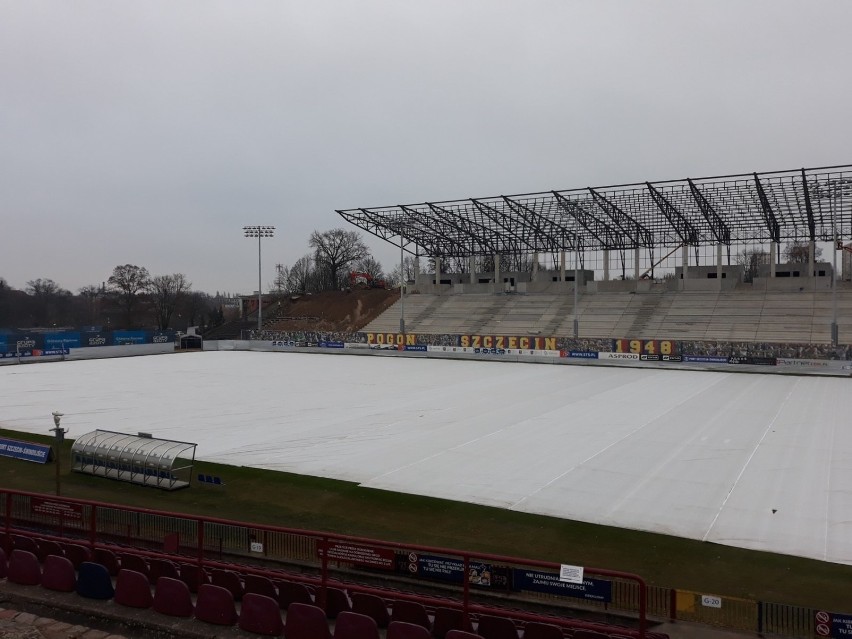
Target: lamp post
(402, 282)
(259, 232)
(59, 433)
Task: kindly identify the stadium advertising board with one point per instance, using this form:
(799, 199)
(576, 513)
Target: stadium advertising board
(95, 338)
(58, 341)
(121, 338)
(279, 344)
(332, 345)
(162, 337)
(645, 346)
(358, 555)
(506, 342)
(39, 506)
(621, 356)
(706, 359)
(547, 582)
(832, 624)
(579, 354)
(753, 361)
(27, 451)
(417, 348)
(447, 569)
(391, 339)
(814, 364)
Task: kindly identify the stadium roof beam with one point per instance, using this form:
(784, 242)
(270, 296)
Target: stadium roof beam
(603, 235)
(537, 222)
(682, 226)
(466, 225)
(453, 241)
(717, 226)
(768, 215)
(639, 235)
(809, 211)
(500, 218)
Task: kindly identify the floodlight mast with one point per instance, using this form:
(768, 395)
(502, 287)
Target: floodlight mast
(259, 232)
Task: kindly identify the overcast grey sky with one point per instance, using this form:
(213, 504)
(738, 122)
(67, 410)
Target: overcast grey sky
(151, 132)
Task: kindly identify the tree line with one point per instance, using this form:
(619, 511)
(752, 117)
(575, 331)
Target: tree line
(130, 298)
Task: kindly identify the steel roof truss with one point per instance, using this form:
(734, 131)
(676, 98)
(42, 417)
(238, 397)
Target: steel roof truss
(683, 227)
(717, 226)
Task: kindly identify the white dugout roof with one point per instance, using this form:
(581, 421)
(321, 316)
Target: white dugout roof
(756, 461)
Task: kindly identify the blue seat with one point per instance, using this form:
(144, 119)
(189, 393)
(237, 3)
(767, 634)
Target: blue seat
(94, 581)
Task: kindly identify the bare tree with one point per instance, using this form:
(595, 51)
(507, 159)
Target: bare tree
(371, 266)
(334, 251)
(90, 295)
(301, 277)
(406, 274)
(50, 301)
(282, 275)
(751, 259)
(127, 283)
(165, 292)
(799, 253)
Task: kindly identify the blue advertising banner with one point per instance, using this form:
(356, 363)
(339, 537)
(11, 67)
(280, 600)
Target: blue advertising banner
(419, 348)
(548, 582)
(27, 451)
(583, 354)
(162, 337)
(3, 344)
(832, 624)
(62, 340)
(129, 337)
(25, 343)
(332, 345)
(97, 338)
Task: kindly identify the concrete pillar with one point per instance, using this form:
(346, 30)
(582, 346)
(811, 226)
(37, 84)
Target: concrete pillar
(416, 269)
(685, 261)
(534, 267)
(773, 254)
(606, 265)
(562, 266)
(497, 282)
(719, 264)
(811, 258)
(473, 269)
(636, 257)
(437, 271)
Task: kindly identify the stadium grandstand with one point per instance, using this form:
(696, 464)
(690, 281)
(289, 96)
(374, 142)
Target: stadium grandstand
(695, 258)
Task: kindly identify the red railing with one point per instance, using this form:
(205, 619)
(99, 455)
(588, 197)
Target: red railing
(160, 534)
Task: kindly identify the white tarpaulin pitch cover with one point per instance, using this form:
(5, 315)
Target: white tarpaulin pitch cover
(757, 461)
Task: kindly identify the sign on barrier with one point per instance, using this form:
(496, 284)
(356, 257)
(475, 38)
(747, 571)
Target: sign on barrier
(27, 451)
(508, 342)
(361, 555)
(547, 582)
(706, 359)
(622, 356)
(832, 624)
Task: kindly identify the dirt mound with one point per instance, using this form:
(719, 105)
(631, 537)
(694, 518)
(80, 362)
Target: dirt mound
(339, 311)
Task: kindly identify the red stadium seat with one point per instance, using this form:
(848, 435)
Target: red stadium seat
(193, 576)
(215, 605)
(3, 563)
(372, 606)
(59, 574)
(491, 627)
(132, 589)
(77, 554)
(135, 563)
(230, 580)
(305, 621)
(461, 634)
(20, 542)
(410, 612)
(172, 597)
(47, 547)
(536, 630)
(161, 568)
(290, 592)
(336, 602)
(23, 568)
(260, 586)
(352, 625)
(107, 559)
(405, 630)
(447, 619)
(261, 615)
